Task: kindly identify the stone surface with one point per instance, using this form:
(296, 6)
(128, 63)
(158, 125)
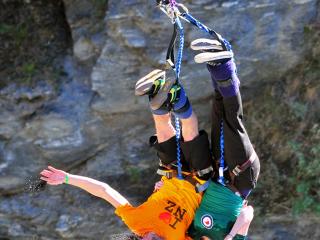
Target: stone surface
(83, 49)
(68, 70)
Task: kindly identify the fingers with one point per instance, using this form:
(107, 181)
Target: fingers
(158, 185)
(46, 173)
(44, 179)
(49, 181)
(52, 169)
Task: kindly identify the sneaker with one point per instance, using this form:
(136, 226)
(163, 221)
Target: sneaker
(165, 95)
(156, 86)
(213, 51)
(151, 83)
(213, 58)
(174, 93)
(203, 44)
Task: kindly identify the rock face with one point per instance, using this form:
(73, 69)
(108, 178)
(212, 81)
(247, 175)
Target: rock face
(68, 70)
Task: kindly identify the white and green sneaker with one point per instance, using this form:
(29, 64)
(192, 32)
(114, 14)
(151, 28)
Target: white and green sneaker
(156, 86)
(150, 83)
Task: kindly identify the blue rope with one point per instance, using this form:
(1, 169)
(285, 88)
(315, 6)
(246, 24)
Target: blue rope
(221, 167)
(195, 22)
(201, 26)
(180, 50)
(228, 47)
(178, 137)
(178, 70)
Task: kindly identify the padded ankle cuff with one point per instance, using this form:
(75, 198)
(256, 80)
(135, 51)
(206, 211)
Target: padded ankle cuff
(161, 111)
(184, 112)
(222, 71)
(197, 153)
(229, 87)
(166, 151)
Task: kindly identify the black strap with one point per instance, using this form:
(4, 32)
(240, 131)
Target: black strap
(241, 168)
(163, 2)
(170, 51)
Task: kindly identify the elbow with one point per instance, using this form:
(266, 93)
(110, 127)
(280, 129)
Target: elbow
(99, 191)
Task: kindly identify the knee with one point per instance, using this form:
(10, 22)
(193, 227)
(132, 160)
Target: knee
(247, 214)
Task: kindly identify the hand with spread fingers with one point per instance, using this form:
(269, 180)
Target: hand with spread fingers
(53, 176)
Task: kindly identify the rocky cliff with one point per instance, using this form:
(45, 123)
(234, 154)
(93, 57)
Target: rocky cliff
(68, 70)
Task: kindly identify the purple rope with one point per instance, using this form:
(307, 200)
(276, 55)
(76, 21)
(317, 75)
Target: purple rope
(173, 3)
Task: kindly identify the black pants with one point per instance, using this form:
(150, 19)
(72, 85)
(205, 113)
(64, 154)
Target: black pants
(237, 146)
(195, 155)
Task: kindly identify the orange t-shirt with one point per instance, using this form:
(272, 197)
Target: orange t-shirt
(167, 212)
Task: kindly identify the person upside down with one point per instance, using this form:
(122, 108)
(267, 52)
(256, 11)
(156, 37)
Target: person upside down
(178, 210)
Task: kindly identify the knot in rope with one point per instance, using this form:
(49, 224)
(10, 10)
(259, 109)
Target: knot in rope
(173, 3)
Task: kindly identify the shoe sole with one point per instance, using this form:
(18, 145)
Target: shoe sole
(206, 44)
(158, 100)
(212, 56)
(144, 84)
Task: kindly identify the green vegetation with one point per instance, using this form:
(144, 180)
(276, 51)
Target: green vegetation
(299, 109)
(28, 70)
(284, 128)
(305, 177)
(134, 174)
(6, 29)
(18, 32)
(101, 7)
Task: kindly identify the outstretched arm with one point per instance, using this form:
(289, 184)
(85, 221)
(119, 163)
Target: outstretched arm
(55, 176)
(241, 226)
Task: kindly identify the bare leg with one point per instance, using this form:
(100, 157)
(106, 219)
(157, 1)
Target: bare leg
(190, 128)
(164, 128)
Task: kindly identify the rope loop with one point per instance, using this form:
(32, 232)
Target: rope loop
(178, 138)
(221, 167)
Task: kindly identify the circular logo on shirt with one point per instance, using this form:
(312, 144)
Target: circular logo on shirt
(207, 221)
(165, 217)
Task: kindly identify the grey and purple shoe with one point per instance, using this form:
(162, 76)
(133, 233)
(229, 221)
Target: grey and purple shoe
(220, 62)
(213, 52)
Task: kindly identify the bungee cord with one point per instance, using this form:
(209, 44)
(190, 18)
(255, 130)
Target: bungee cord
(175, 11)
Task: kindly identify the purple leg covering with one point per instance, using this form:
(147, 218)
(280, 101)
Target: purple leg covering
(225, 79)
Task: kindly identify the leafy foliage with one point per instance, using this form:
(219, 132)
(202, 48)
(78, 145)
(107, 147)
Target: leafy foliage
(306, 174)
(284, 126)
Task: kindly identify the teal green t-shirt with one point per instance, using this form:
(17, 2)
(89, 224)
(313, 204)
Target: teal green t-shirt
(217, 213)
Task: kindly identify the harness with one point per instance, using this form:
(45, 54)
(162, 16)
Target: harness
(200, 185)
(241, 168)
